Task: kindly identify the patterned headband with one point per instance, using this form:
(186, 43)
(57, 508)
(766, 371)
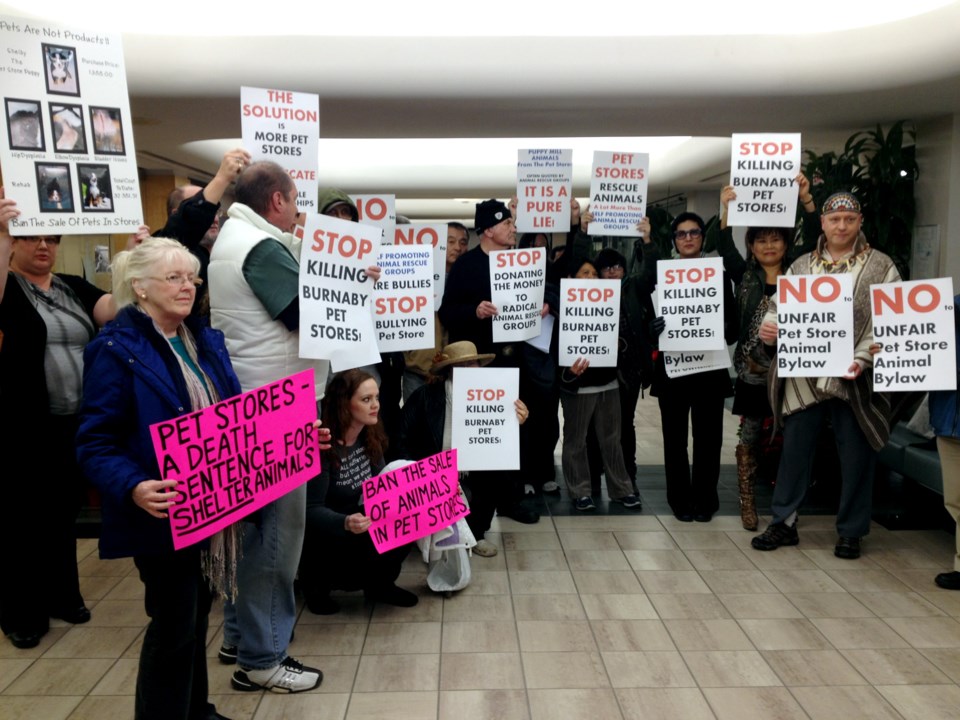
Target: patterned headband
(840, 202)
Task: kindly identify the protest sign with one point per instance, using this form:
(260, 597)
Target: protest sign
(618, 192)
(542, 341)
(403, 298)
(413, 501)
(434, 234)
(284, 127)
(517, 280)
(589, 321)
(234, 457)
(914, 324)
(544, 185)
(336, 316)
(486, 432)
(690, 293)
(67, 141)
(379, 211)
(814, 325)
(678, 364)
(763, 169)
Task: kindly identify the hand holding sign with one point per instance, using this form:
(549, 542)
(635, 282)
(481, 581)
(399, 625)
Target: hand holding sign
(358, 523)
(154, 496)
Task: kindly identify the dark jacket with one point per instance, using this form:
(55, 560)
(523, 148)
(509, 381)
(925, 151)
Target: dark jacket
(421, 429)
(132, 380)
(945, 404)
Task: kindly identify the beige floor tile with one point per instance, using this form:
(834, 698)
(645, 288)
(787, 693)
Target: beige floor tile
(479, 637)
(548, 607)
(647, 669)
(589, 541)
(717, 560)
(695, 635)
(527, 560)
(541, 582)
(824, 558)
(353, 609)
(93, 642)
(867, 581)
(120, 679)
(923, 702)
(134, 650)
(812, 667)
(597, 560)
(753, 703)
(947, 661)
(339, 639)
(894, 666)
(397, 638)
(784, 634)
(484, 705)
(96, 708)
(602, 582)
(946, 600)
(730, 668)
(393, 706)
(564, 670)
(481, 671)
(907, 559)
(12, 668)
(607, 523)
(897, 604)
(93, 565)
(927, 632)
(687, 539)
(38, 708)
(672, 581)
(129, 588)
(631, 636)
(294, 707)
(844, 703)
(692, 606)
(829, 605)
(96, 587)
(854, 633)
(477, 608)
(618, 607)
(549, 636)
(118, 613)
(59, 677)
(767, 605)
(488, 583)
(653, 540)
(802, 581)
(785, 558)
(599, 704)
(531, 541)
(664, 704)
(737, 581)
(428, 609)
(657, 560)
(917, 580)
(395, 673)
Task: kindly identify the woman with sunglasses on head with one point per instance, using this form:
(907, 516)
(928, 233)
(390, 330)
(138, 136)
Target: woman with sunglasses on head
(46, 319)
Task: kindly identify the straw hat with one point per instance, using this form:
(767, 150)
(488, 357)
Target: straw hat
(458, 353)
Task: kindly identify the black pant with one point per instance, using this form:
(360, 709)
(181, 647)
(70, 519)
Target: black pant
(697, 493)
(347, 562)
(172, 678)
(539, 434)
(489, 491)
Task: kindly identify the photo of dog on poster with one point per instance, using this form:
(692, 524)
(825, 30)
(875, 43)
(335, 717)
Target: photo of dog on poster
(60, 65)
(24, 125)
(107, 131)
(66, 122)
(54, 190)
(96, 194)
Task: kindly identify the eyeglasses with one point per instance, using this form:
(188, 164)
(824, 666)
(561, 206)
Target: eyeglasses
(692, 234)
(178, 279)
(35, 239)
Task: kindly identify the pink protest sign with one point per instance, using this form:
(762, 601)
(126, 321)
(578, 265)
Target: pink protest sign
(234, 457)
(413, 501)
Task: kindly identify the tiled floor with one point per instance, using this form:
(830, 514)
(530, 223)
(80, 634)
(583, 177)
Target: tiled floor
(615, 615)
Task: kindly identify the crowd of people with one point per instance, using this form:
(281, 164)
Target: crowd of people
(84, 397)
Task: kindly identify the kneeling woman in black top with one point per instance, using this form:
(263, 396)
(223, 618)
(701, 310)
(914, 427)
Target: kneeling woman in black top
(338, 553)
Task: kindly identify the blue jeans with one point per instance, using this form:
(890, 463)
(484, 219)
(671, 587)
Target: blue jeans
(261, 619)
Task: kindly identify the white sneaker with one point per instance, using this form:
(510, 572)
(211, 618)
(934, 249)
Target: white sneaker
(290, 676)
(485, 548)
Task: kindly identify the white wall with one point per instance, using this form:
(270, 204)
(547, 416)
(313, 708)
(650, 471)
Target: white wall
(938, 188)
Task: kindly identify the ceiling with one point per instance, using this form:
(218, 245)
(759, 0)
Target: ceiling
(699, 82)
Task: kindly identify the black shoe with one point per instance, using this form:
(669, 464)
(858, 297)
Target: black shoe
(683, 517)
(948, 581)
(522, 515)
(76, 616)
(25, 640)
(227, 654)
(323, 605)
(703, 517)
(395, 596)
(847, 548)
(776, 535)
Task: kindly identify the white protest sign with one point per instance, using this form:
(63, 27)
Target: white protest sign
(544, 184)
(814, 325)
(284, 127)
(542, 341)
(434, 234)
(618, 192)
(589, 321)
(691, 303)
(913, 323)
(678, 364)
(66, 146)
(762, 172)
(336, 296)
(486, 433)
(378, 210)
(517, 280)
(403, 298)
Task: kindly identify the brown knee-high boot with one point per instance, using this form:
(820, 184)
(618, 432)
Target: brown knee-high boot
(746, 475)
